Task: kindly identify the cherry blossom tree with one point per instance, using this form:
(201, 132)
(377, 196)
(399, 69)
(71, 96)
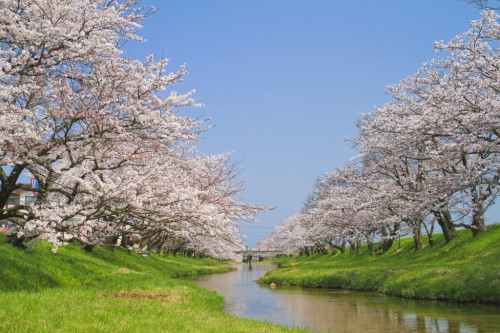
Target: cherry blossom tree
(100, 135)
(389, 155)
(289, 236)
(437, 139)
(429, 155)
(456, 118)
(343, 210)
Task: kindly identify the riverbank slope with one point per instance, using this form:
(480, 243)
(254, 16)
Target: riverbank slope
(110, 291)
(465, 270)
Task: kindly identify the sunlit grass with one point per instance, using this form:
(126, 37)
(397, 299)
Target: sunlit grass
(105, 291)
(464, 270)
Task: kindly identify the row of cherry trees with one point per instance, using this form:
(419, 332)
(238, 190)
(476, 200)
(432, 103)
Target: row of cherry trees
(104, 141)
(430, 155)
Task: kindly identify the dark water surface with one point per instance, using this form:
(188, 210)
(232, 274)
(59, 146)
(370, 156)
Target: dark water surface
(326, 310)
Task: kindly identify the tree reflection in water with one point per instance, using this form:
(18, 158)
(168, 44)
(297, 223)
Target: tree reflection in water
(326, 310)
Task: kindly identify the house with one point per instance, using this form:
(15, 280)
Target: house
(18, 197)
(21, 197)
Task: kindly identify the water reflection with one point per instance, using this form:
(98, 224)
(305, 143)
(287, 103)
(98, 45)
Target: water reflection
(327, 310)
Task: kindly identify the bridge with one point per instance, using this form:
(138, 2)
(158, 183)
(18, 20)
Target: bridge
(258, 255)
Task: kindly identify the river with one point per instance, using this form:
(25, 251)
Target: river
(326, 310)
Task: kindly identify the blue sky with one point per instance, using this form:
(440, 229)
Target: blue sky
(284, 80)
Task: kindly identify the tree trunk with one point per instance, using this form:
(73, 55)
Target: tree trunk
(478, 220)
(19, 241)
(478, 213)
(387, 244)
(321, 249)
(342, 247)
(159, 248)
(429, 233)
(387, 241)
(446, 224)
(110, 242)
(88, 248)
(352, 247)
(123, 240)
(371, 248)
(358, 247)
(417, 237)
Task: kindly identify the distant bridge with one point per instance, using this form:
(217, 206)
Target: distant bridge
(258, 255)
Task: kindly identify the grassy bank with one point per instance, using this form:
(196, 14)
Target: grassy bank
(464, 270)
(74, 291)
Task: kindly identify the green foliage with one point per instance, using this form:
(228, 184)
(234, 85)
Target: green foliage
(465, 270)
(110, 291)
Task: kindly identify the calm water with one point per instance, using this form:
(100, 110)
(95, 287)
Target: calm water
(324, 310)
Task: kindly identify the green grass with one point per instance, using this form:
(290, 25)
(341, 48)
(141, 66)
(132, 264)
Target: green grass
(110, 291)
(465, 270)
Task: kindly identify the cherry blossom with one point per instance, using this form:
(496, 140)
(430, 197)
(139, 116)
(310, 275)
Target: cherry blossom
(102, 135)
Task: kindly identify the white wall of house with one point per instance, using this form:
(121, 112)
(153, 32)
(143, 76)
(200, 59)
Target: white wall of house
(21, 197)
